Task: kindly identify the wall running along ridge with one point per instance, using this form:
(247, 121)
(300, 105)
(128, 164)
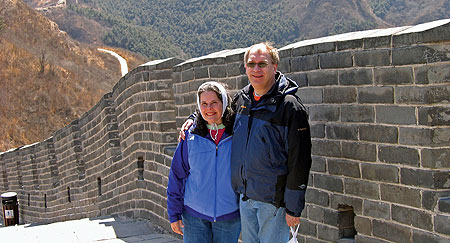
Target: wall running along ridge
(379, 106)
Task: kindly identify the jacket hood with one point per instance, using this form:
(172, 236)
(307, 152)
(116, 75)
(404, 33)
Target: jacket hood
(284, 84)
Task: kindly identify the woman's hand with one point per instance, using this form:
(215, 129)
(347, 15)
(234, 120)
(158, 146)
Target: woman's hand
(186, 125)
(176, 227)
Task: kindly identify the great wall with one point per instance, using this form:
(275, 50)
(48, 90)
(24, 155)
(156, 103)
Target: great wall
(379, 106)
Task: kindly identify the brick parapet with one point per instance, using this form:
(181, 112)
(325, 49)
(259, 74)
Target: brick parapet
(378, 102)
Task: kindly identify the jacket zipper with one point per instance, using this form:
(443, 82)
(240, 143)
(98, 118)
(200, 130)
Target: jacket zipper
(215, 185)
(215, 176)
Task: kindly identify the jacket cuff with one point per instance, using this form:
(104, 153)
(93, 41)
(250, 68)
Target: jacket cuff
(294, 201)
(175, 218)
(291, 213)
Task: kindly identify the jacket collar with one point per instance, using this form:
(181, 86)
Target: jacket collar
(282, 86)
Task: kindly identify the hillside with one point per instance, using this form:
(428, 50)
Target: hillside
(51, 72)
(181, 28)
(46, 78)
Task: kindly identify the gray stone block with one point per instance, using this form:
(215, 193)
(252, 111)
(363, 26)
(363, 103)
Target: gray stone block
(307, 227)
(359, 151)
(241, 81)
(357, 114)
(349, 44)
(377, 210)
(303, 51)
(326, 148)
(436, 158)
(432, 74)
(317, 130)
(391, 232)
(327, 233)
(315, 213)
(212, 61)
(441, 179)
(372, 58)
(238, 57)
(317, 197)
(300, 78)
(377, 172)
(434, 116)
(162, 74)
(378, 133)
(168, 64)
(377, 42)
(435, 53)
(342, 131)
(201, 72)
(363, 226)
(410, 55)
(187, 75)
(384, 95)
(400, 195)
(329, 183)
(284, 53)
(394, 75)
(417, 34)
(398, 155)
(217, 71)
(416, 218)
(422, 95)
(398, 115)
(322, 78)
(318, 164)
(423, 178)
(431, 198)
(424, 136)
(361, 188)
(357, 76)
(336, 60)
(324, 47)
(444, 205)
(415, 136)
(284, 65)
(310, 95)
(422, 236)
(339, 95)
(343, 167)
(323, 113)
(336, 218)
(305, 63)
(234, 69)
(441, 224)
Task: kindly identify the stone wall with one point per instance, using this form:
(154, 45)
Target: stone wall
(379, 105)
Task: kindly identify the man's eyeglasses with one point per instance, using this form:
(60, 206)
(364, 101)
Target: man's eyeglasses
(260, 64)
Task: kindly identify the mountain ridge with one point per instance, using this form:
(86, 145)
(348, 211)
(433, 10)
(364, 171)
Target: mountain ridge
(172, 28)
(47, 79)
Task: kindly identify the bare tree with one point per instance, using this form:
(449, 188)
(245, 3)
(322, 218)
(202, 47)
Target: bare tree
(42, 60)
(2, 25)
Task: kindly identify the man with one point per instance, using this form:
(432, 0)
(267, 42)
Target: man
(271, 151)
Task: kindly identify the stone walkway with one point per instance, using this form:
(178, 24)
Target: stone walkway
(103, 229)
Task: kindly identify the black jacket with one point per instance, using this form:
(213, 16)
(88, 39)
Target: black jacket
(271, 152)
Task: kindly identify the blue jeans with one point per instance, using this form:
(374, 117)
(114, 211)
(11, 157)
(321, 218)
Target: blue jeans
(263, 222)
(197, 230)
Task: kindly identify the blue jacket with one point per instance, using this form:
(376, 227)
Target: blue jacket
(271, 154)
(200, 180)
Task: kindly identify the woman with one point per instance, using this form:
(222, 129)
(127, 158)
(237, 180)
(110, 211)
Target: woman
(200, 198)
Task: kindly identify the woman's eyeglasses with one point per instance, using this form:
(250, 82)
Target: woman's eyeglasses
(260, 64)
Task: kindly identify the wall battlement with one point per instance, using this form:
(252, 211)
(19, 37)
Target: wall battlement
(379, 106)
